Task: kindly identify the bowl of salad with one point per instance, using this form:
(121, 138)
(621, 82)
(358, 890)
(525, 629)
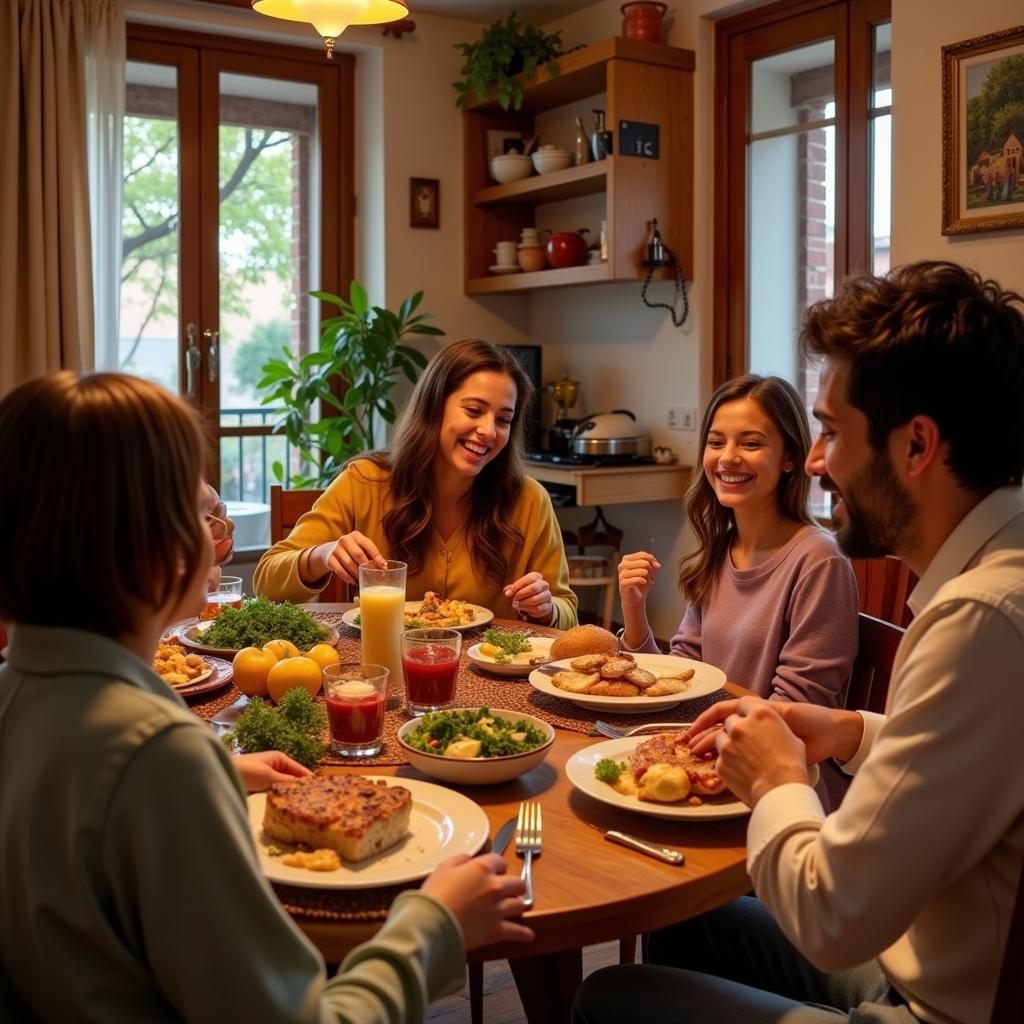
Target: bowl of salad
(510, 653)
(476, 746)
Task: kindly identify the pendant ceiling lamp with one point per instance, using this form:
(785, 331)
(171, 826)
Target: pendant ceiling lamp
(331, 17)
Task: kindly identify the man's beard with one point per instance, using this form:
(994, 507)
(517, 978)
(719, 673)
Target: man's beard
(879, 514)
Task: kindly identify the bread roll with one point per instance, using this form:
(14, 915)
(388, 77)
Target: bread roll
(582, 640)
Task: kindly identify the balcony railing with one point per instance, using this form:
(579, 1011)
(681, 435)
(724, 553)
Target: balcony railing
(246, 462)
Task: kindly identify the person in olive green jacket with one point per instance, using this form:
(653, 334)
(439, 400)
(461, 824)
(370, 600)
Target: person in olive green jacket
(450, 499)
(131, 886)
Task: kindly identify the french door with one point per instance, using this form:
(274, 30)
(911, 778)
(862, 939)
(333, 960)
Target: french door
(238, 201)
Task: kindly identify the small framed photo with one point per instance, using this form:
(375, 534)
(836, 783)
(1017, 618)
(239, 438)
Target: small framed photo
(501, 142)
(983, 133)
(424, 203)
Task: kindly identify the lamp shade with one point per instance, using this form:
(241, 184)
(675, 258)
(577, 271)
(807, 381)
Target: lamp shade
(331, 17)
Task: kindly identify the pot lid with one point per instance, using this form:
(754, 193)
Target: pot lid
(616, 424)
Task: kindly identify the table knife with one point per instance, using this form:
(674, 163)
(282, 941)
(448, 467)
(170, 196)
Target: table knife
(505, 833)
(656, 850)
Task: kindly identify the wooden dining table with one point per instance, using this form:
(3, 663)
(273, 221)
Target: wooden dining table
(587, 890)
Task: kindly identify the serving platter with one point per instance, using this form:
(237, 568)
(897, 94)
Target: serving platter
(481, 616)
(706, 679)
(443, 823)
(190, 634)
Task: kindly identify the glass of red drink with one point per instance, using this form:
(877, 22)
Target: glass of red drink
(227, 594)
(356, 694)
(430, 658)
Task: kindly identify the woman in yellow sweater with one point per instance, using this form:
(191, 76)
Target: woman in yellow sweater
(450, 499)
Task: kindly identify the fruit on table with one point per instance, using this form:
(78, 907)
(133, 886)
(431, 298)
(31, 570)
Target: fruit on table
(250, 668)
(291, 672)
(324, 655)
(282, 649)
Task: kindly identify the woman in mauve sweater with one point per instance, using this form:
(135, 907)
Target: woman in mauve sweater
(771, 600)
(449, 499)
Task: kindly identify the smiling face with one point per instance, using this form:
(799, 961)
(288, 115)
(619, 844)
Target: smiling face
(477, 422)
(745, 456)
(872, 512)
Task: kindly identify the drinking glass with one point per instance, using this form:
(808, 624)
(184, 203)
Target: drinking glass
(355, 694)
(381, 620)
(228, 593)
(430, 658)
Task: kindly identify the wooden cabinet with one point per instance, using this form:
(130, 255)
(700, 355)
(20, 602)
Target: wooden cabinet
(641, 82)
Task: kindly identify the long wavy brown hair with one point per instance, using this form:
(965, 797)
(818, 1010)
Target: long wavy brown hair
(714, 525)
(489, 527)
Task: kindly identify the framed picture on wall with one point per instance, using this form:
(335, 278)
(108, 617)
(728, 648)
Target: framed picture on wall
(983, 133)
(424, 203)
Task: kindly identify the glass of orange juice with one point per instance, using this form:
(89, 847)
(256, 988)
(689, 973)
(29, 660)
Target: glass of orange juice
(228, 593)
(382, 619)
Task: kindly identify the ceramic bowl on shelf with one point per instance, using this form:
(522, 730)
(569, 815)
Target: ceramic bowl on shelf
(551, 158)
(531, 258)
(510, 167)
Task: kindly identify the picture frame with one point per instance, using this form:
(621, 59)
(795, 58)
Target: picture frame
(424, 203)
(982, 95)
(500, 142)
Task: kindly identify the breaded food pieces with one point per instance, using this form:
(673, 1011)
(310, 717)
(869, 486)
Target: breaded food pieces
(575, 682)
(640, 677)
(616, 668)
(613, 688)
(588, 663)
(667, 685)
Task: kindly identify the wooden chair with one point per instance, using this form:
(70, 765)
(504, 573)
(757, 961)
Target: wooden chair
(868, 685)
(884, 585)
(286, 508)
(598, 539)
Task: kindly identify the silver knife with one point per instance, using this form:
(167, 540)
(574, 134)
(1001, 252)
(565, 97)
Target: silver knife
(656, 850)
(505, 833)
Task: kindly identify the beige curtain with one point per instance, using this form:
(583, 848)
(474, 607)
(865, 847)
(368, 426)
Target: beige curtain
(46, 308)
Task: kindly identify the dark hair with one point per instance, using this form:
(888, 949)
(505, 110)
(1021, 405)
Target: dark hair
(933, 339)
(99, 493)
(495, 489)
(713, 524)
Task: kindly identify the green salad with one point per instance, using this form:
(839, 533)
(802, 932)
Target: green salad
(501, 645)
(472, 734)
(259, 621)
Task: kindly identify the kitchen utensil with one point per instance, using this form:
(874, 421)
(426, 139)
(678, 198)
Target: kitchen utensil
(567, 248)
(564, 392)
(529, 236)
(655, 850)
(530, 143)
(550, 158)
(531, 258)
(504, 835)
(528, 843)
(642, 21)
(505, 253)
(610, 433)
(510, 167)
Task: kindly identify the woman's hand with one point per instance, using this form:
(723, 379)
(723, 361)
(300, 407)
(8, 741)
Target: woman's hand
(482, 897)
(636, 577)
(531, 596)
(343, 557)
(259, 771)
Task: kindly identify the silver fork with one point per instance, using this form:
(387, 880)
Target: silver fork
(528, 843)
(614, 732)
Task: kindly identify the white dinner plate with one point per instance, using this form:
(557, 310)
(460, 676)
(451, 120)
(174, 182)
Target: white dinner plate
(481, 616)
(519, 666)
(706, 679)
(580, 771)
(443, 823)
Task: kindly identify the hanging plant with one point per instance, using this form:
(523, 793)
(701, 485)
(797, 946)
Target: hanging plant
(506, 49)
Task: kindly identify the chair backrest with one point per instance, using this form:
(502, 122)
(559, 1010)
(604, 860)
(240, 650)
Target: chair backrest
(1009, 1003)
(286, 508)
(868, 685)
(884, 585)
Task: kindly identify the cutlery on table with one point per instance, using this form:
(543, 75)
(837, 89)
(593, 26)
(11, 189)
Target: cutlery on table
(656, 850)
(528, 843)
(503, 835)
(613, 732)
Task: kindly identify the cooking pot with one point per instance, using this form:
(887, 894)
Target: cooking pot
(566, 248)
(610, 433)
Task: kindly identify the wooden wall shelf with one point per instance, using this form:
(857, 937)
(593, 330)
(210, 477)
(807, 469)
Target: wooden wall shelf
(585, 180)
(540, 279)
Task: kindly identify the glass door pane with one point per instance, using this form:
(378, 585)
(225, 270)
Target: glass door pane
(149, 343)
(881, 149)
(269, 260)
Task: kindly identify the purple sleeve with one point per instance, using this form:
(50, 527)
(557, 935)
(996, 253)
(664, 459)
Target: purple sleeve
(817, 657)
(686, 642)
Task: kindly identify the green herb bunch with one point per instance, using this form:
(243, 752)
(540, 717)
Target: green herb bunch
(514, 642)
(296, 726)
(607, 770)
(506, 49)
(259, 621)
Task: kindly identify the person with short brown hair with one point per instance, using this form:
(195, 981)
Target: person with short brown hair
(131, 889)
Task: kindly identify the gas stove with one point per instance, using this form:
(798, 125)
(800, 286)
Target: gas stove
(575, 461)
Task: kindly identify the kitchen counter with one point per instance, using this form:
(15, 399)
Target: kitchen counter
(616, 485)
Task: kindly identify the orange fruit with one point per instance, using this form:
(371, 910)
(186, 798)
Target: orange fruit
(324, 655)
(250, 667)
(282, 649)
(290, 672)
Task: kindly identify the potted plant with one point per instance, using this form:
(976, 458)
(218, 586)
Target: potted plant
(361, 350)
(506, 49)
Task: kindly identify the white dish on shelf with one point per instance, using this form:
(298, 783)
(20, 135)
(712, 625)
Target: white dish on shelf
(551, 158)
(503, 268)
(510, 167)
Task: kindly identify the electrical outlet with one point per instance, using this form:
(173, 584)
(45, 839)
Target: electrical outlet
(682, 417)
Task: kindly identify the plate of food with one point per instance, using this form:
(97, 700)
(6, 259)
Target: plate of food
(630, 684)
(653, 775)
(510, 653)
(434, 611)
(256, 623)
(395, 830)
(188, 673)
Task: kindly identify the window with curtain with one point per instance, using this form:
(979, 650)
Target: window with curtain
(802, 157)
